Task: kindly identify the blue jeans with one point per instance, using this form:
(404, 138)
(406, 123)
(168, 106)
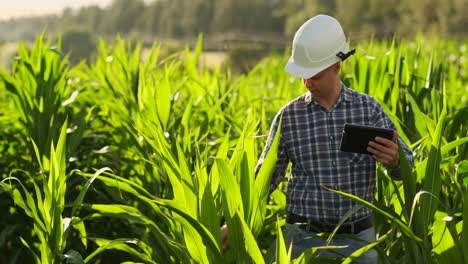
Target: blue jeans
(303, 240)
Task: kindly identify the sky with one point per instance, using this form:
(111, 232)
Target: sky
(18, 8)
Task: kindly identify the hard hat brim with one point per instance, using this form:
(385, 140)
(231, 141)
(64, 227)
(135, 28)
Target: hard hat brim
(306, 73)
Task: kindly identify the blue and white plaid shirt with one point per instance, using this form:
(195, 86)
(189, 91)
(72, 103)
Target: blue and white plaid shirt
(310, 139)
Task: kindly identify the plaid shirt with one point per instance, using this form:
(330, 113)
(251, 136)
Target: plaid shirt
(310, 139)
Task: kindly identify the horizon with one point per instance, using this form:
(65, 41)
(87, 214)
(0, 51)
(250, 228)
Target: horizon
(30, 8)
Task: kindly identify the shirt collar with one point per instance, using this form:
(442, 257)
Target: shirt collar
(345, 95)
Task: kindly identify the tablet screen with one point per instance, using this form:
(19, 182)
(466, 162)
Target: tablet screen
(356, 137)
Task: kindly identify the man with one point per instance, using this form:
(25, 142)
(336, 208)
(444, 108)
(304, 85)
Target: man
(310, 138)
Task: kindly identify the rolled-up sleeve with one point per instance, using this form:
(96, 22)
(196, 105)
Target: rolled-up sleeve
(383, 120)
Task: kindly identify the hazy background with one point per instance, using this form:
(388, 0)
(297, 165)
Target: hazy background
(22, 8)
(246, 28)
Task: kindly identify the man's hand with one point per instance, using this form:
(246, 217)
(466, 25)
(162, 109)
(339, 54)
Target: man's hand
(385, 151)
(224, 236)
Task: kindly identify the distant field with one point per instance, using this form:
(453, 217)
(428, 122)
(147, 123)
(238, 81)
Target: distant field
(7, 51)
(212, 59)
(209, 59)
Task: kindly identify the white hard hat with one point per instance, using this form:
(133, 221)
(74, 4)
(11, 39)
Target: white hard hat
(318, 44)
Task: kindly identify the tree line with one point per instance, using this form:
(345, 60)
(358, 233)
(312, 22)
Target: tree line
(187, 18)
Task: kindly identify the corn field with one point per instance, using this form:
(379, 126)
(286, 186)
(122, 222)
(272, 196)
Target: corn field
(131, 160)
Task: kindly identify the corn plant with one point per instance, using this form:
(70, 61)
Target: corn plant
(45, 206)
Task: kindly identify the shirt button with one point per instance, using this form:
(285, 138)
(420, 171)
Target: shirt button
(331, 137)
(334, 163)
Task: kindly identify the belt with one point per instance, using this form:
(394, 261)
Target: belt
(346, 228)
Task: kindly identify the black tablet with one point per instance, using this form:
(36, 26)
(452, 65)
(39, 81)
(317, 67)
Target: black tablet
(356, 137)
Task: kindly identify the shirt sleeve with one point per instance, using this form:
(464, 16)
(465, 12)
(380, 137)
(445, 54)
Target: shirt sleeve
(383, 120)
(282, 160)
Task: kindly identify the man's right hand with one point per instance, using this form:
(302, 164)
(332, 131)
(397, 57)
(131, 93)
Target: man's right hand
(224, 236)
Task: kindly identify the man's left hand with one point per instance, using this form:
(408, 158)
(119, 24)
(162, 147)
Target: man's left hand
(385, 151)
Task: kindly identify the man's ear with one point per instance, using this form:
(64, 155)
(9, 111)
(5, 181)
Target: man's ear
(337, 67)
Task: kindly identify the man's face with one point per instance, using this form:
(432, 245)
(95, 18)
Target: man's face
(322, 82)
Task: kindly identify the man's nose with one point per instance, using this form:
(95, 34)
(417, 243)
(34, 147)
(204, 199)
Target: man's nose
(308, 82)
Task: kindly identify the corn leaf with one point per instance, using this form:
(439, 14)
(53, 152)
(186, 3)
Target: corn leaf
(282, 256)
(262, 184)
(388, 214)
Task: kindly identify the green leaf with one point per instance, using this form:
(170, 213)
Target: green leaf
(80, 227)
(364, 249)
(129, 213)
(163, 99)
(79, 199)
(465, 226)
(441, 239)
(189, 184)
(409, 182)
(194, 243)
(262, 183)
(282, 256)
(385, 212)
(208, 213)
(463, 167)
(190, 223)
(419, 116)
(251, 245)
(446, 148)
(432, 179)
(309, 256)
(73, 257)
(38, 260)
(231, 191)
(347, 215)
(118, 244)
